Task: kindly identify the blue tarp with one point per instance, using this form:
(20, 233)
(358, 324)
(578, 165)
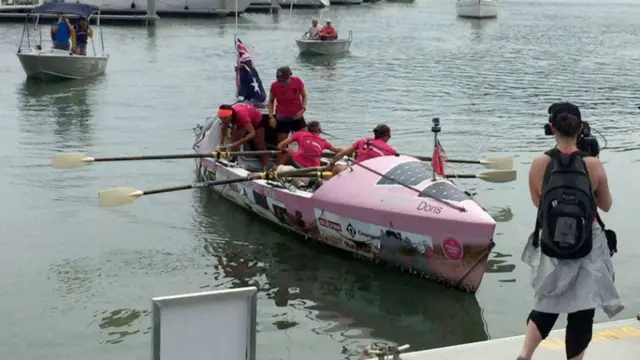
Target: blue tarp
(66, 8)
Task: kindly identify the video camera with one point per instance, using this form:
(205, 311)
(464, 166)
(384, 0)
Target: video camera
(587, 143)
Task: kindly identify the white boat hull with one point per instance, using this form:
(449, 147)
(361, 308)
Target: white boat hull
(478, 9)
(52, 64)
(169, 6)
(328, 47)
(346, 2)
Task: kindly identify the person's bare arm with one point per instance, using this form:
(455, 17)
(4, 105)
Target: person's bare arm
(536, 176)
(303, 95)
(224, 130)
(285, 143)
(271, 103)
(251, 133)
(602, 192)
(346, 152)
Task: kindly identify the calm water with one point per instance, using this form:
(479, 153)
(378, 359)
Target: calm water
(76, 279)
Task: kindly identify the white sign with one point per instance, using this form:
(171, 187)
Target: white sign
(332, 225)
(205, 326)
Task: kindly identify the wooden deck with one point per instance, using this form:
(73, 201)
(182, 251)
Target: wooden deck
(617, 340)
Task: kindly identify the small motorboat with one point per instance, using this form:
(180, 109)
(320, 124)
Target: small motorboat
(51, 63)
(324, 47)
(477, 9)
(390, 209)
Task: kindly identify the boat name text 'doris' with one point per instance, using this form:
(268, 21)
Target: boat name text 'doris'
(429, 208)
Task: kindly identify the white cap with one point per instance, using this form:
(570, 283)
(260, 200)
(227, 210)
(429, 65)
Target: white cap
(328, 20)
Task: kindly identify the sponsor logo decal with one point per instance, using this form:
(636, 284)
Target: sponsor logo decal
(452, 248)
(351, 230)
(330, 224)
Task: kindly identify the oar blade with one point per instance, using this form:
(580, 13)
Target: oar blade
(118, 196)
(498, 176)
(70, 160)
(498, 163)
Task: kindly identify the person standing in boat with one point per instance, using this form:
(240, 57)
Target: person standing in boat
(247, 124)
(61, 33)
(287, 104)
(365, 148)
(310, 147)
(328, 32)
(314, 30)
(570, 256)
(81, 34)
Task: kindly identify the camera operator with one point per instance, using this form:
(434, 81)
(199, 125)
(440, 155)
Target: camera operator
(570, 249)
(587, 144)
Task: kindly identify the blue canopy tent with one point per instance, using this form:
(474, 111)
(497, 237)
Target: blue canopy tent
(78, 9)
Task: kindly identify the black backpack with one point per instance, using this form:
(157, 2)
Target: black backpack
(567, 208)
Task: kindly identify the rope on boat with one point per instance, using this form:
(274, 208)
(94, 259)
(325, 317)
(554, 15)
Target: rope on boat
(484, 255)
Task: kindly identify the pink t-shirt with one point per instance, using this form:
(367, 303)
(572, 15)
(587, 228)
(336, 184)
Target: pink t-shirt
(287, 95)
(369, 148)
(310, 148)
(245, 114)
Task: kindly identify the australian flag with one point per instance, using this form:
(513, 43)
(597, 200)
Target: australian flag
(249, 85)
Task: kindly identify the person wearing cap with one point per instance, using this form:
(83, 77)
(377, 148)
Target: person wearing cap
(366, 148)
(61, 33)
(328, 32)
(80, 36)
(287, 104)
(314, 30)
(569, 286)
(247, 125)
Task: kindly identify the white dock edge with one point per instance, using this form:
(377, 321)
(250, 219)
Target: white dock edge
(204, 326)
(617, 340)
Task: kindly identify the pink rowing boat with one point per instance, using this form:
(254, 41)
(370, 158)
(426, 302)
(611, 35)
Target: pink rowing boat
(434, 230)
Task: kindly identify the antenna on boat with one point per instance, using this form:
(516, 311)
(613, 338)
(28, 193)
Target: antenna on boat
(236, 30)
(435, 129)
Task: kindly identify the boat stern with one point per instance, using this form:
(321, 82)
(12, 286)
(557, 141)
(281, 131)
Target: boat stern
(428, 227)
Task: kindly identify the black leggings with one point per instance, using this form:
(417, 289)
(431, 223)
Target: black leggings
(579, 329)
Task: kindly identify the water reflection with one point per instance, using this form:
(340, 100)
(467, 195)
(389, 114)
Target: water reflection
(349, 300)
(118, 324)
(326, 61)
(66, 105)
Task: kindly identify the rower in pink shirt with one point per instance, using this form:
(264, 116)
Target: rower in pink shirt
(366, 148)
(310, 146)
(248, 126)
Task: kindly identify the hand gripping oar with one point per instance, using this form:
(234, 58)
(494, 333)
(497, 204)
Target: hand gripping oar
(124, 195)
(490, 163)
(74, 160)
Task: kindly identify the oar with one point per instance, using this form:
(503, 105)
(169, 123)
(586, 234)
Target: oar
(124, 195)
(490, 163)
(498, 176)
(74, 160)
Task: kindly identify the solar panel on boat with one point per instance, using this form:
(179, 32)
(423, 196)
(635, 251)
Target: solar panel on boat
(413, 173)
(410, 173)
(445, 191)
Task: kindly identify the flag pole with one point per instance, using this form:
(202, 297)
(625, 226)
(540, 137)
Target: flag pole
(435, 129)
